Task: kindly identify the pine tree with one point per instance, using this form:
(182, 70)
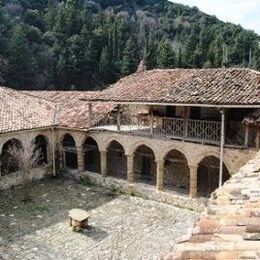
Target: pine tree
(165, 55)
(20, 59)
(105, 66)
(130, 58)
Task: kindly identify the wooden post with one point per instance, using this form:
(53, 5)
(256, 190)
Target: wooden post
(90, 115)
(222, 142)
(186, 117)
(257, 139)
(246, 135)
(151, 121)
(118, 118)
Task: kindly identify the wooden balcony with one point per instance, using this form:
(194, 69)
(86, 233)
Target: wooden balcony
(162, 127)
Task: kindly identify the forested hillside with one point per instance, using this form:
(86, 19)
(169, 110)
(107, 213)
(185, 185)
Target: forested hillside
(86, 44)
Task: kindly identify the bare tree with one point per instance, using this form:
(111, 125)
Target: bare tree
(25, 159)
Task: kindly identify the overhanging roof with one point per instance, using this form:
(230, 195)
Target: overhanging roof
(196, 87)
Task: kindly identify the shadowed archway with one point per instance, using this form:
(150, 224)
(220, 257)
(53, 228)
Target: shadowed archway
(176, 172)
(144, 165)
(91, 156)
(69, 152)
(116, 161)
(8, 158)
(208, 175)
(41, 144)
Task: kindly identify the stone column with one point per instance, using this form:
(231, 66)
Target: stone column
(80, 157)
(0, 168)
(160, 173)
(103, 162)
(130, 168)
(193, 181)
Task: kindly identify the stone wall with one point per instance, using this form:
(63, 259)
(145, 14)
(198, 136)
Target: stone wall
(229, 228)
(16, 178)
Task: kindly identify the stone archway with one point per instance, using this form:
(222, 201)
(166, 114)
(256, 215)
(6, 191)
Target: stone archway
(9, 156)
(208, 175)
(69, 152)
(144, 165)
(116, 160)
(91, 156)
(176, 172)
(41, 144)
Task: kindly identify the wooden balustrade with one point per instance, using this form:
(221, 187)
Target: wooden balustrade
(179, 128)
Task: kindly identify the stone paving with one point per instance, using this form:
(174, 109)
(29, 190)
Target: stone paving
(121, 227)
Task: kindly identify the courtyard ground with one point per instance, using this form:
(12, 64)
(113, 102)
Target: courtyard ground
(121, 226)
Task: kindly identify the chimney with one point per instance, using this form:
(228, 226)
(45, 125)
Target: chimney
(141, 66)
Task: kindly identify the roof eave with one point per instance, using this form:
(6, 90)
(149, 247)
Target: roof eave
(174, 104)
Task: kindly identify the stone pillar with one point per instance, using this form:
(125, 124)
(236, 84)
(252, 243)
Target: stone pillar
(160, 173)
(130, 168)
(103, 162)
(193, 181)
(0, 168)
(80, 157)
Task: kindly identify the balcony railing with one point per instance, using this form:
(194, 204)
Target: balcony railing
(162, 127)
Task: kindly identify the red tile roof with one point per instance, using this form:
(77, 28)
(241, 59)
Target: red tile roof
(21, 111)
(25, 110)
(72, 111)
(186, 86)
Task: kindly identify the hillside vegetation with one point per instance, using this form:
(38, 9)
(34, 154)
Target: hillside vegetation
(86, 44)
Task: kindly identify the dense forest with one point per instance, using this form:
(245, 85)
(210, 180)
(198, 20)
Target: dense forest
(86, 44)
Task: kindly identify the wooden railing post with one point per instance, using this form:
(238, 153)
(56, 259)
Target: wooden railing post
(186, 118)
(257, 139)
(246, 135)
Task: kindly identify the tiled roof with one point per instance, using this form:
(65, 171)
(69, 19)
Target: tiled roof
(25, 110)
(186, 86)
(72, 111)
(20, 111)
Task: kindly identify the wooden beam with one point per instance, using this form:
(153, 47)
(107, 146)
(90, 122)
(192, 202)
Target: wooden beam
(246, 135)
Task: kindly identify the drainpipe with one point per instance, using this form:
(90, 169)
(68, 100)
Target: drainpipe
(222, 142)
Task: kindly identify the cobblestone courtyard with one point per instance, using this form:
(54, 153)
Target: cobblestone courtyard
(122, 227)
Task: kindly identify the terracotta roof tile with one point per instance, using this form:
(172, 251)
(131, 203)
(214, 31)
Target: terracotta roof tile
(20, 111)
(186, 86)
(25, 110)
(72, 111)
